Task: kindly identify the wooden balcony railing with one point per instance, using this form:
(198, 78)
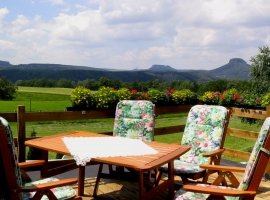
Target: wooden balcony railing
(21, 117)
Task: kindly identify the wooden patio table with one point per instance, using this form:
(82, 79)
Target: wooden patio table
(140, 164)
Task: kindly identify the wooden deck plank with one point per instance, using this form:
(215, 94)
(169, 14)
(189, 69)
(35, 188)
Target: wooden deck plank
(124, 190)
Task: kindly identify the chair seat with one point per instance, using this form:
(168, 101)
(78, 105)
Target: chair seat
(61, 193)
(181, 167)
(185, 195)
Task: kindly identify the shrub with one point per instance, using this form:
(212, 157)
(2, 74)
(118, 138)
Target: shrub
(106, 97)
(135, 95)
(183, 96)
(123, 94)
(82, 97)
(229, 97)
(250, 100)
(34, 153)
(210, 97)
(265, 100)
(157, 97)
(7, 89)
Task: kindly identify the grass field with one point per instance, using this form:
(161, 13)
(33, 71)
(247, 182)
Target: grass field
(57, 99)
(38, 99)
(64, 91)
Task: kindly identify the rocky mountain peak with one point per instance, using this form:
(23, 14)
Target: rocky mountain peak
(161, 68)
(237, 60)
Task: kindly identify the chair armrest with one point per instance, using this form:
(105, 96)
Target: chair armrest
(31, 163)
(218, 191)
(45, 186)
(222, 168)
(213, 153)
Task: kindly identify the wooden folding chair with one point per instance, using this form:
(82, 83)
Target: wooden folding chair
(11, 179)
(205, 133)
(133, 119)
(247, 188)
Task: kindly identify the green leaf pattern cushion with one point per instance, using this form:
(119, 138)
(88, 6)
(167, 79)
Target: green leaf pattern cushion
(61, 193)
(185, 195)
(12, 150)
(253, 159)
(250, 167)
(203, 133)
(134, 119)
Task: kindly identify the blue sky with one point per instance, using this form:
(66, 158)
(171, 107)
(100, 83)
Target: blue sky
(197, 34)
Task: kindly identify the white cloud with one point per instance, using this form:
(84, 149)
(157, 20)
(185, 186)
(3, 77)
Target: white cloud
(3, 12)
(4, 45)
(29, 34)
(56, 2)
(80, 7)
(21, 21)
(267, 40)
(101, 33)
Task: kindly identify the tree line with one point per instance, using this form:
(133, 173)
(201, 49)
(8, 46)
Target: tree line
(200, 88)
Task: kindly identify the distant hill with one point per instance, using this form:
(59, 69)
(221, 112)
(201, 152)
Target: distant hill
(4, 63)
(40, 66)
(124, 76)
(161, 68)
(237, 68)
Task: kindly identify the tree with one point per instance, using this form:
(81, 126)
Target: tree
(260, 71)
(103, 82)
(90, 84)
(217, 85)
(191, 85)
(64, 83)
(7, 89)
(115, 83)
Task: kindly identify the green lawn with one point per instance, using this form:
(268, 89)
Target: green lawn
(65, 91)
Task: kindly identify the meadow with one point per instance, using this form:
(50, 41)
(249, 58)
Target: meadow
(57, 99)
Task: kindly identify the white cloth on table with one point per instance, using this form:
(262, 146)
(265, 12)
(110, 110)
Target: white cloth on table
(85, 148)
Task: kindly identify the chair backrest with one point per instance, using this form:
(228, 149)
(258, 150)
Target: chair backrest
(134, 119)
(258, 159)
(10, 170)
(204, 132)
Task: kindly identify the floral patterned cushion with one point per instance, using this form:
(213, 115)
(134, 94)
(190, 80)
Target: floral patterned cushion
(184, 195)
(253, 159)
(203, 133)
(181, 167)
(134, 119)
(61, 193)
(250, 168)
(12, 150)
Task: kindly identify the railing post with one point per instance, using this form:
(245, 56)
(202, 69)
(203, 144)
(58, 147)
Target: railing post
(268, 111)
(267, 170)
(21, 132)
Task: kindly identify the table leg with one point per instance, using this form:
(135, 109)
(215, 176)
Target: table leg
(81, 177)
(141, 186)
(44, 170)
(98, 179)
(171, 178)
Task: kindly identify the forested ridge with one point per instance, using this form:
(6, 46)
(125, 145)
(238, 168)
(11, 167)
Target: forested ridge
(126, 76)
(235, 69)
